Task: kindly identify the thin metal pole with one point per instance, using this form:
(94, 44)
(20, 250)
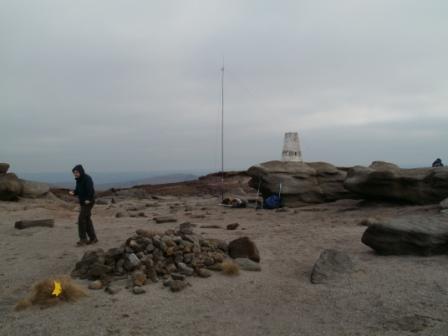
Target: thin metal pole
(222, 132)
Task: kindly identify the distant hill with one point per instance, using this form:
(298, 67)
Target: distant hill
(162, 179)
(172, 178)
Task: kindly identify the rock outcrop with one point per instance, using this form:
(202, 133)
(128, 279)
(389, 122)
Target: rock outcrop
(302, 183)
(11, 187)
(32, 189)
(4, 168)
(417, 235)
(388, 182)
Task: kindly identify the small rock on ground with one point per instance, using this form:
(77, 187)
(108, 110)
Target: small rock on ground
(248, 265)
(138, 290)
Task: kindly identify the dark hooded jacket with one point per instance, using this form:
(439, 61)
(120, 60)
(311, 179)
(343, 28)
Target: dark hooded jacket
(84, 186)
(437, 163)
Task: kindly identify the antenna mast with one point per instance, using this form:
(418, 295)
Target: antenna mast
(222, 131)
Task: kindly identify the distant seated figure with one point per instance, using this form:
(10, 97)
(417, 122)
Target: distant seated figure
(437, 163)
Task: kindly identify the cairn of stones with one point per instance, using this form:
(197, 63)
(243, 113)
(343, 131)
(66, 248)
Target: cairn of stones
(150, 257)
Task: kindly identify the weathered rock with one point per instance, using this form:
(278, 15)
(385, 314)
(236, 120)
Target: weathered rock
(10, 187)
(116, 252)
(32, 189)
(212, 226)
(186, 228)
(209, 261)
(444, 203)
(203, 273)
(151, 274)
(25, 224)
(135, 246)
(414, 235)
(386, 181)
(330, 265)
(112, 290)
(99, 271)
(97, 284)
(4, 168)
(248, 265)
(302, 183)
(232, 226)
(138, 290)
(184, 269)
(138, 278)
(178, 276)
(223, 246)
(131, 262)
(171, 268)
(165, 219)
(215, 267)
(178, 285)
(244, 248)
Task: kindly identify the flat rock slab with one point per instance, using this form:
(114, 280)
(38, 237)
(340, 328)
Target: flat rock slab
(330, 266)
(248, 265)
(413, 235)
(25, 224)
(165, 219)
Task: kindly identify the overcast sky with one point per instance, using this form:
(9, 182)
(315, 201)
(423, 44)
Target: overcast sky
(135, 85)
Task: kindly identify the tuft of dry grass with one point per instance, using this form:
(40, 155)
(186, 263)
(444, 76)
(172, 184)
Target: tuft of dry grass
(41, 293)
(229, 267)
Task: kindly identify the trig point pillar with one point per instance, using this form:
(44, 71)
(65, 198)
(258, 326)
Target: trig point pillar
(291, 148)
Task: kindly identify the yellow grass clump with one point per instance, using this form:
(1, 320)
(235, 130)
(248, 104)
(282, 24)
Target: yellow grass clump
(229, 267)
(42, 293)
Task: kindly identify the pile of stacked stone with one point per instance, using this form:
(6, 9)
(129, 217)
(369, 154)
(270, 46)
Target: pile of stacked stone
(171, 257)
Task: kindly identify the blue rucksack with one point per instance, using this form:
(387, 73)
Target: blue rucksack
(272, 202)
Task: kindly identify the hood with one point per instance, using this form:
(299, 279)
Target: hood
(80, 169)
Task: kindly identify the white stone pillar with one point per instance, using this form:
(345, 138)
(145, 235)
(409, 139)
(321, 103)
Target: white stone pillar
(291, 148)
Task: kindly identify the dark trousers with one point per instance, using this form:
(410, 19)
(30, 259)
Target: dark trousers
(85, 225)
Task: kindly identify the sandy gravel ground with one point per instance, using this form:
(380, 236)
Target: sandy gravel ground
(383, 296)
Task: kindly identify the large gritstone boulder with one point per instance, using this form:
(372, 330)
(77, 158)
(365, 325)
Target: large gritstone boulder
(10, 187)
(416, 235)
(387, 182)
(301, 183)
(4, 168)
(32, 189)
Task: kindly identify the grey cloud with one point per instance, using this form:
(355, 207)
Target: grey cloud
(136, 85)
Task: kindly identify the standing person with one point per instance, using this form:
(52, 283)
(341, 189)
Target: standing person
(86, 195)
(437, 163)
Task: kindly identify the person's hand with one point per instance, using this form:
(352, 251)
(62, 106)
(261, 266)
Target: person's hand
(71, 193)
(86, 202)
